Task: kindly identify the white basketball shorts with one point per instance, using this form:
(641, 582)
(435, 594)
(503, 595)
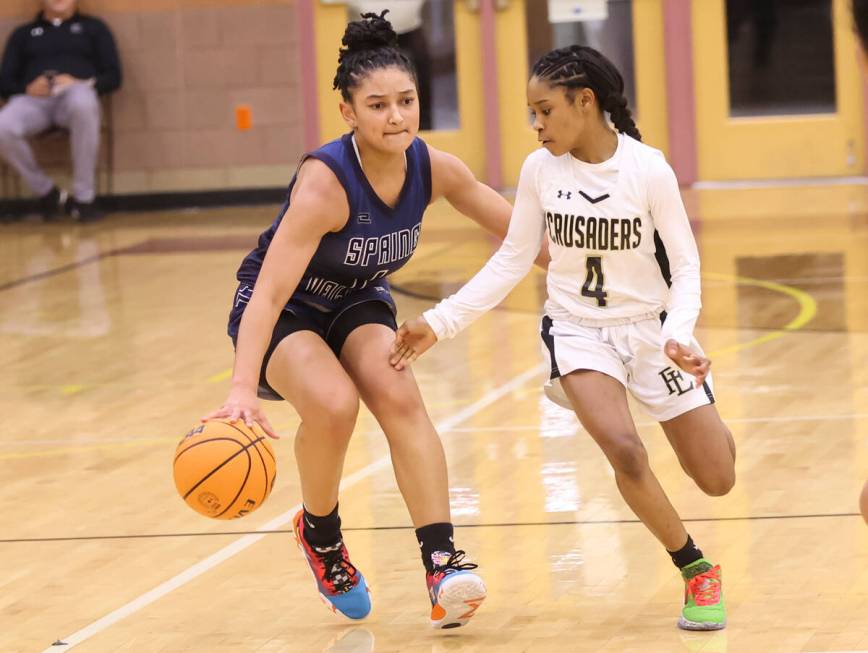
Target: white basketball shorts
(632, 354)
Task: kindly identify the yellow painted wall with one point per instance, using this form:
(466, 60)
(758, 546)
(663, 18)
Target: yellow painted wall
(774, 146)
(467, 142)
(648, 48)
(518, 139)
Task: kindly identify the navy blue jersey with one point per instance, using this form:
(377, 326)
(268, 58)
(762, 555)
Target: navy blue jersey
(376, 240)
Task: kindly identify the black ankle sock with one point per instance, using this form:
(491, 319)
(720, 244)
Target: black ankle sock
(435, 538)
(686, 554)
(322, 531)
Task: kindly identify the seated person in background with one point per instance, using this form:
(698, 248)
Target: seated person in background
(51, 72)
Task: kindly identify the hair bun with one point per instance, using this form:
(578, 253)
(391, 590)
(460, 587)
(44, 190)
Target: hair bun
(370, 33)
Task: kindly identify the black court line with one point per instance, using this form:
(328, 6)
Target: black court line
(400, 289)
(47, 274)
(39, 276)
(412, 293)
(136, 248)
(591, 522)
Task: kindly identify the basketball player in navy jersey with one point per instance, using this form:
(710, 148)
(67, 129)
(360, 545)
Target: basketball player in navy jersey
(313, 319)
(623, 299)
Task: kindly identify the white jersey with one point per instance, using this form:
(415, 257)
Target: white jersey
(615, 230)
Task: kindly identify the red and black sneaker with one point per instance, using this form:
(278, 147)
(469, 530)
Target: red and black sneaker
(340, 585)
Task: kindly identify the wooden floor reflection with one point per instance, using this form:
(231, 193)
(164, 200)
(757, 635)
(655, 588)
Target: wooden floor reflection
(114, 342)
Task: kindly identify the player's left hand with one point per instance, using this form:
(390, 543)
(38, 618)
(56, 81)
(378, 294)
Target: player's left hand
(412, 339)
(688, 360)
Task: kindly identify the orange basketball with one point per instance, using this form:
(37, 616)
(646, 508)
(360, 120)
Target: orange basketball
(223, 469)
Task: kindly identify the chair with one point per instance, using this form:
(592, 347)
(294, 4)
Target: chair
(51, 148)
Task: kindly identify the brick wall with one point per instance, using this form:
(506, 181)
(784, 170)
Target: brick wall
(187, 65)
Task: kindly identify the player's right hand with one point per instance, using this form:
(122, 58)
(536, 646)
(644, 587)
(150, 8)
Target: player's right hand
(688, 360)
(243, 404)
(412, 339)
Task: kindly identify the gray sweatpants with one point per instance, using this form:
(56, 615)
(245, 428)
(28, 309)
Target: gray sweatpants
(77, 109)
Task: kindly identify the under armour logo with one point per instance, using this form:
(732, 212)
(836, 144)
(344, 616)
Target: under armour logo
(673, 378)
(593, 200)
(37, 31)
(76, 28)
(565, 193)
(364, 218)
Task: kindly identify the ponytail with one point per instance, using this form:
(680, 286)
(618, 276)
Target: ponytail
(579, 66)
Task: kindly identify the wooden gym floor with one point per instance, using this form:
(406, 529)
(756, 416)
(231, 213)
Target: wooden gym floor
(114, 344)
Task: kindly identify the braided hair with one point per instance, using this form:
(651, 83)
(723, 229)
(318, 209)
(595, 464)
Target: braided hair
(579, 66)
(371, 43)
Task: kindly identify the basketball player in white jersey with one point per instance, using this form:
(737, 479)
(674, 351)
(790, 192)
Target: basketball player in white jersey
(623, 299)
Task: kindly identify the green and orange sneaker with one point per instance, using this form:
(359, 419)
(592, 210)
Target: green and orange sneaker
(703, 597)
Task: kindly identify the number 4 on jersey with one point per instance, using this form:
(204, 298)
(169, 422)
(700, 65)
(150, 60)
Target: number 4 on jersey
(594, 280)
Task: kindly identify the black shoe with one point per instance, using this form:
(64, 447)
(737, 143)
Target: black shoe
(83, 211)
(49, 204)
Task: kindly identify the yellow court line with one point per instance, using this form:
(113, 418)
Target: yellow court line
(220, 376)
(807, 310)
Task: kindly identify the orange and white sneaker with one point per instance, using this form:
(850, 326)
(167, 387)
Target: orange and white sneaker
(456, 592)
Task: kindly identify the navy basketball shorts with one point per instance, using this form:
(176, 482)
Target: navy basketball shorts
(332, 326)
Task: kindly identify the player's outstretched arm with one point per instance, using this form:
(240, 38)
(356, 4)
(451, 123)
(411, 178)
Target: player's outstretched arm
(490, 286)
(452, 179)
(412, 339)
(318, 205)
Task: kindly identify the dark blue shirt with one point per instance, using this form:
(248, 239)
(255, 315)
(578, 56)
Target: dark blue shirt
(376, 240)
(81, 46)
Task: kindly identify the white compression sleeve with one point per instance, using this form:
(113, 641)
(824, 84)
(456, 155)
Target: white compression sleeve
(505, 269)
(671, 222)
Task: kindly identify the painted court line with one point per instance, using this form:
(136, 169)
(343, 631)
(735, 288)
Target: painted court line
(528, 427)
(108, 442)
(572, 428)
(729, 420)
(246, 541)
